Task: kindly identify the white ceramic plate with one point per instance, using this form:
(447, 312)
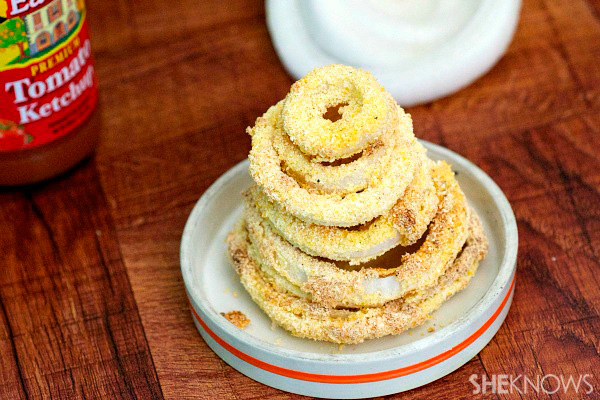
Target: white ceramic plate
(268, 354)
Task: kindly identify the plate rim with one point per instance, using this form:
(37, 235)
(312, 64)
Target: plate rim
(505, 270)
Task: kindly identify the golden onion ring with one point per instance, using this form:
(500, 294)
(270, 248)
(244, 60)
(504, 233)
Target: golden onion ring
(342, 178)
(371, 286)
(304, 318)
(366, 112)
(332, 209)
(360, 244)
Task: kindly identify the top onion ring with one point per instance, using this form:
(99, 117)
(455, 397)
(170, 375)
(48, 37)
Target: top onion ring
(365, 110)
(344, 178)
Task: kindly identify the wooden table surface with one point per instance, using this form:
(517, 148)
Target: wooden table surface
(92, 302)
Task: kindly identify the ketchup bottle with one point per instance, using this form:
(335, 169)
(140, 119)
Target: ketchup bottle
(48, 89)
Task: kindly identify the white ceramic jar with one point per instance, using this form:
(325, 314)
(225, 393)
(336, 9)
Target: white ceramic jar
(419, 50)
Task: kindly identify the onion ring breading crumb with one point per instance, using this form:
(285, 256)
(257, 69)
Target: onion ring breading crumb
(370, 286)
(316, 321)
(405, 224)
(365, 112)
(333, 209)
(237, 318)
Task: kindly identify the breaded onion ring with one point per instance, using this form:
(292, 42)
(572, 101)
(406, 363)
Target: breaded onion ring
(343, 178)
(371, 286)
(308, 319)
(367, 112)
(404, 225)
(332, 209)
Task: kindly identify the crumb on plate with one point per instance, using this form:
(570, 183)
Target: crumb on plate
(237, 318)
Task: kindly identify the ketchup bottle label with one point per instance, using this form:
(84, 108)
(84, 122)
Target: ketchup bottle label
(47, 81)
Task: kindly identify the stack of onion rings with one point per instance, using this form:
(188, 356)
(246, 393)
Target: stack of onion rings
(331, 201)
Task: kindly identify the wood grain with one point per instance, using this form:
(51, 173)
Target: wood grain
(69, 324)
(92, 303)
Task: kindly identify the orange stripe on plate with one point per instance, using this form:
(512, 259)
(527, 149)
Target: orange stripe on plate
(366, 378)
